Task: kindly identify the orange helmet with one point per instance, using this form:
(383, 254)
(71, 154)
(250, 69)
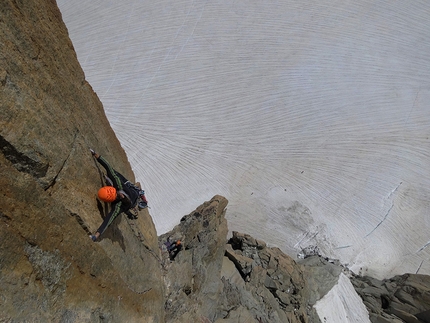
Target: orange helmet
(107, 194)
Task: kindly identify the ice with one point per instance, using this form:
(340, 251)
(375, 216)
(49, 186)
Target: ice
(342, 304)
(311, 117)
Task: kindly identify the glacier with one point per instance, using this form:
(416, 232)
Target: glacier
(312, 117)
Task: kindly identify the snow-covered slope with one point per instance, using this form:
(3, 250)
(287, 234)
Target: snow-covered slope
(342, 304)
(311, 117)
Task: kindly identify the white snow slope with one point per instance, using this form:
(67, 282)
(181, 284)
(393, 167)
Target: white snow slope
(311, 117)
(342, 304)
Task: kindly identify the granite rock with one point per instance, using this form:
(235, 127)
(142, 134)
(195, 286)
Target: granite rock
(50, 271)
(243, 279)
(404, 298)
(50, 116)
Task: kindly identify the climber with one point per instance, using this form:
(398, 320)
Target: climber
(173, 248)
(121, 193)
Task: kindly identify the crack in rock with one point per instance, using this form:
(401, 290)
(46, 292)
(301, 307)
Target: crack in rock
(22, 162)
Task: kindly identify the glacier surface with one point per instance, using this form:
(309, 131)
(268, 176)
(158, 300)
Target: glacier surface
(311, 117)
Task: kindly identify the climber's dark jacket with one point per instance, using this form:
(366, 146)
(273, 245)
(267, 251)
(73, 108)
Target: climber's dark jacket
(122, 185)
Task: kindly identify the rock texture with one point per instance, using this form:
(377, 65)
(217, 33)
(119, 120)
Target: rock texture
(242, 280)
(50, 271)
(239, 280)
(404, 298)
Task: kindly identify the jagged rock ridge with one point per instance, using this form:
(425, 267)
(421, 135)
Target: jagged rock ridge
(404, 298)
(243, 280)
(52, 272)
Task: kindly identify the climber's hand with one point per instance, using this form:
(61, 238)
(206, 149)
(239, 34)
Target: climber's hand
(94, 153)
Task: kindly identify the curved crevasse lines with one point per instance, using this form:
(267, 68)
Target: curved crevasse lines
(306, 115)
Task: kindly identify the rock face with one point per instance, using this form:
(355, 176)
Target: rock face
(240, 280)
(193, 281)
(50, 271)
(403, 298)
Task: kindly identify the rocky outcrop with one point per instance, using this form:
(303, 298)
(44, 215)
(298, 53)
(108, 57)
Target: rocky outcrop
(242, 280)
(193, 281)
(239, 280)
(404, 298)
(50, 271)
